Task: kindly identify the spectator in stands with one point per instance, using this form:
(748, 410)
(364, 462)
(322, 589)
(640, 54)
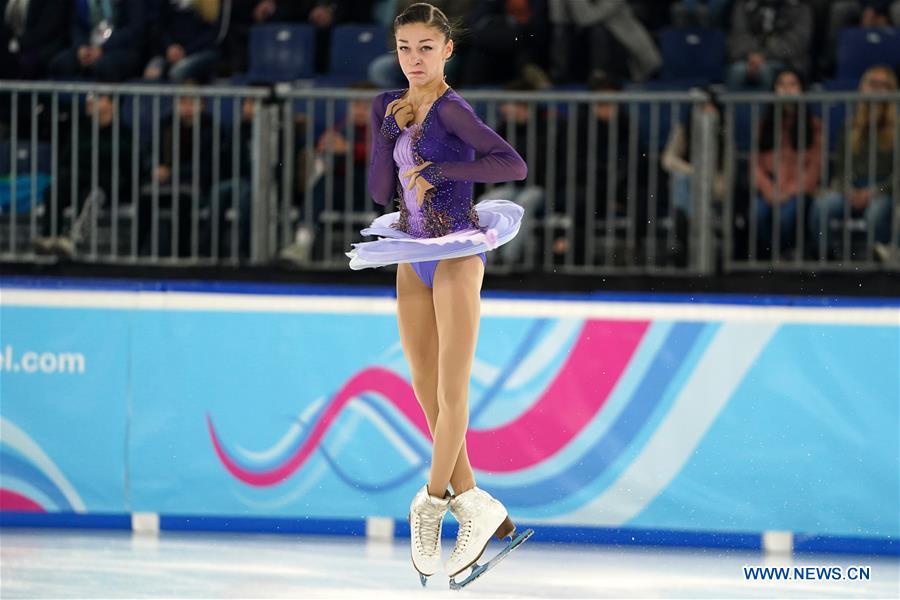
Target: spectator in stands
(783, 182)
(33, 32)
(529, 194)
(233, 192)
(618, 43)
(66, 238)
(336, 151)
(189, 35)
(853, 190)
(322, 14)
(191, 163)
(507, 40)
(855, 13)
(610, 169)
(106, 40)
(678, 159)
(767, 36)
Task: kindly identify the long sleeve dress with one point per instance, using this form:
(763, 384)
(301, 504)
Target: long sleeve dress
(462, 150)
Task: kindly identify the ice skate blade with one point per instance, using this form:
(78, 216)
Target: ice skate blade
(423, 579)
(479, 570)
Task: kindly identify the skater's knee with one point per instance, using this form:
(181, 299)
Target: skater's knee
(453, 402)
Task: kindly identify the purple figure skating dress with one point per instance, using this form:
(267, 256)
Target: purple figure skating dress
(447, 224)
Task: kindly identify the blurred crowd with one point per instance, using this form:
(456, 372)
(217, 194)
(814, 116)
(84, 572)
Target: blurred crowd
(552, 42)
(781, 194)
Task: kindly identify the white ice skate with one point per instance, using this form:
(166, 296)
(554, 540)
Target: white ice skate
(480, 516)
(426, 516)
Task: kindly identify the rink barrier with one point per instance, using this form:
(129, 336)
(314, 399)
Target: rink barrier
(143, 300)
(544, 533)
(25, 282)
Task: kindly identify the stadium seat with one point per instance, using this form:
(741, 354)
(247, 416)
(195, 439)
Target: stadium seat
(24, 157)
(352, 49)
(859, 48)
(281, 52)
(837, 111)
(692, 54)
(26, 187)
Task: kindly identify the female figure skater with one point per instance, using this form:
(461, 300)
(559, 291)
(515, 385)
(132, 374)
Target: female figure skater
(425, 141)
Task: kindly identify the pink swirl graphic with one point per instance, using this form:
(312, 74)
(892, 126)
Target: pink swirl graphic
(13, 501)
(579, 391)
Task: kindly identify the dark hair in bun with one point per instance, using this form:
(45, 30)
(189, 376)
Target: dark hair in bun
(425, 13)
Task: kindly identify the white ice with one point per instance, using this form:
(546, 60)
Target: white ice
(91, 564)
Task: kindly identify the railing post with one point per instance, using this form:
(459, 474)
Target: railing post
(261, 213)
(704, 157)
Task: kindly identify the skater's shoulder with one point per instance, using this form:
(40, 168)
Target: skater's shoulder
(382, 99)
(453, 107)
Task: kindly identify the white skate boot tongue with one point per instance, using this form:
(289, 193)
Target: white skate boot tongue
(431, 515)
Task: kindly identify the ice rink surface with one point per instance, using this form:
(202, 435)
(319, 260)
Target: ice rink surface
(36, 563)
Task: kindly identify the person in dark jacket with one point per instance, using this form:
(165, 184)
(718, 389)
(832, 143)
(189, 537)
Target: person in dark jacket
(508, 39)
(188, 45)
(766, 37)
(179, 167)
(609, 169)
(67, 225)
(33, 32)
(106, 38)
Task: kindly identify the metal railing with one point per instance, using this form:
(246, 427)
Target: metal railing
(822, 229)
(280, 175)
(114, 185)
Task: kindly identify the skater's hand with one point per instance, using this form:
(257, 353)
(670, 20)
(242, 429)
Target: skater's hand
(402, 112)
(416, 179)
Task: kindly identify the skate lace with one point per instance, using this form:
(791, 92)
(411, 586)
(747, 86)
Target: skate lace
(462, 539)
(429, 532)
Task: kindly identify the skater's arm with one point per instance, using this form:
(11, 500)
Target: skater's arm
(382, 174)
(497, 161)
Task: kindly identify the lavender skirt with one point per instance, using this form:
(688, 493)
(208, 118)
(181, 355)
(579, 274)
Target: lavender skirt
(500, 220)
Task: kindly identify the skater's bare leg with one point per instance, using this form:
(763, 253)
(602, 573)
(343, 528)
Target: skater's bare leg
(419, 338)
(457, 309)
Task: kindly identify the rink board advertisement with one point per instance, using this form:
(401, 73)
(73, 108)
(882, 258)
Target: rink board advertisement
(708, 417)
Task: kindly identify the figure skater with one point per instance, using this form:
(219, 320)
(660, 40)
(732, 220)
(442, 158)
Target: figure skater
(424, 145)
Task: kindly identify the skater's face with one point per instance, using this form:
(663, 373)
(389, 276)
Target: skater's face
(422, 51)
